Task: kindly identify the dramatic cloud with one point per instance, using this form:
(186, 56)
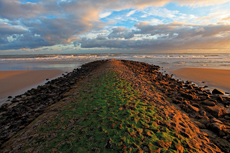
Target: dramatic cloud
(38, 23)
(120, 32)
(7, 30)
(172, 36)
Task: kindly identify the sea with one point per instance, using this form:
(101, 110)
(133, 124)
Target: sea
(68, 62)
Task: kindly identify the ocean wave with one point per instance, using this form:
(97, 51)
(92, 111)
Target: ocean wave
(40, 58)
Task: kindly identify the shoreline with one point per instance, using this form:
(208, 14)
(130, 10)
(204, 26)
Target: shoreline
(212, 78)
(14, 83)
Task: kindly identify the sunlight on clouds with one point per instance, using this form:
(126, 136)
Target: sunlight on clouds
(155, 21)
(105, 14)
(114, 23)
(131, 13)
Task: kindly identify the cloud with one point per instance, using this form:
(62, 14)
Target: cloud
(131, 13)
(171, 36)
(7, 30)
(226, 19)
(37, 23)
(182, 30)
(105, 14)
(13, 9)
(26, 41)
(120, 32)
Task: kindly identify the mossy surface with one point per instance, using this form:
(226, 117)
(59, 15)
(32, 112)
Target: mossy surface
(108, 115)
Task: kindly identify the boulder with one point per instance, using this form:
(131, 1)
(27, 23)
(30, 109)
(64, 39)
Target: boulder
(219, 98)
(193, 108)
(200, 125)
(217, 127)
(216, 111)
(217, 91)
(208, 103)
(204, 120)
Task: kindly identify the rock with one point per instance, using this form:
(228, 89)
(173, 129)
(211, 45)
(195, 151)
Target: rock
(188, 82)
(217, 127)
(208, 103)
(204, 120)
(227, 117)
(219, 98)
(214, 120)
(15, 100)
(189, 96)
(202, 112)
(4, 106)
(216, 111)
(193, 108)
(200, 125)
(9, 97)
(174, 100)
(217, 91)
(223, 144)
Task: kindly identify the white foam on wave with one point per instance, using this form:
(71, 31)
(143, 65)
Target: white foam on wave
(54, 58)
(77, 57)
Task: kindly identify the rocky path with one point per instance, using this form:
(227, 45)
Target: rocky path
(123, 106)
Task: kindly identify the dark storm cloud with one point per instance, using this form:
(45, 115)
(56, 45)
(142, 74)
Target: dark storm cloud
(53, 22)
(13, 9)
(120, 32)
(26, 41)
(6, 30)
(183, 30)
(168, 36)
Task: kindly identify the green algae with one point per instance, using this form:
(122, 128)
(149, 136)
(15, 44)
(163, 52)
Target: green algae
(107, 116)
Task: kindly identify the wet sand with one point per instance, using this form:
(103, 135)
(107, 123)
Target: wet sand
(212, 77)
(13, 81)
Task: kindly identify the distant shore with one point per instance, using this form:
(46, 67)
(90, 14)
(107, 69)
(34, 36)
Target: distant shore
(204, 76)
(12, 82)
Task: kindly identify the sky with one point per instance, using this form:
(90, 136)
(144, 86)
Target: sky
(109, 26)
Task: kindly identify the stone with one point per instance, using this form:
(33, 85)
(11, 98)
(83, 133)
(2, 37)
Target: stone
(223, 144)
(200, 125)
(202, 112)
(204, 120)
(193, 108)
(219, 98)
(15, 100)
(217, 91)
(189, 96)
(216, 111)
(208, 103)
(217, 127)
(227, 117)
(176, 101)
(214, 120)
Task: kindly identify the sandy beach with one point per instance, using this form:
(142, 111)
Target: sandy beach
(13, 81)
(212, 77)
